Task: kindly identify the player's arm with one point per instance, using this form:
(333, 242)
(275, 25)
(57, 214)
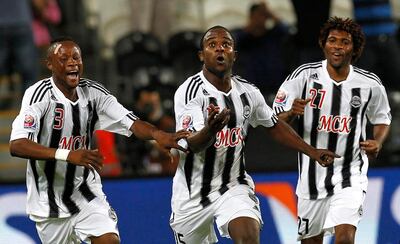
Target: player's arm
(25, 148)
(216, 121)
(146, 131)
(373, 146)
(285, 135)
(296, 110)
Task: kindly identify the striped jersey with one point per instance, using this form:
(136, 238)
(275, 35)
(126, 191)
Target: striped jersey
(336, 119)
(202, 177)
(57, 188)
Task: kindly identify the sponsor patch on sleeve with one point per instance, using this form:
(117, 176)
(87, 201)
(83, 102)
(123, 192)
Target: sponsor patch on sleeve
(187, 122)
(281, 97)
(29, 122)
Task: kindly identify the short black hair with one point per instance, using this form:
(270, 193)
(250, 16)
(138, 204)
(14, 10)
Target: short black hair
(62, 39)
(254, 7)
(58, 40)
(213, 28)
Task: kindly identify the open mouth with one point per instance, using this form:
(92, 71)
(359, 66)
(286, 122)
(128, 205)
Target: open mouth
(73, 74)
(220, 60)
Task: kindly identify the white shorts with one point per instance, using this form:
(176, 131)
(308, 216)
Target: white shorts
(95, 219)
(198, 226)
(322, 215)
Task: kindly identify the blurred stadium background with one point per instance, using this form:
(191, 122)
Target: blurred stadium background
(141, 50)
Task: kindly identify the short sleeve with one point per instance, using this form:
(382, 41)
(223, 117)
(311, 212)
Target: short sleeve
(289, 90)
(262, 114)
(378, 110)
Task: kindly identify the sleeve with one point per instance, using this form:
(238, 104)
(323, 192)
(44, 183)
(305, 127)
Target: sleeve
(188, 116)
(378, 110)
(289, 90)
(113, 116)
(28, 119)
(262, 114)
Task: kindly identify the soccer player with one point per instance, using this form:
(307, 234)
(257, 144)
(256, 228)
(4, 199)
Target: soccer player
(54, 130)
(211, 182)
(332, 100)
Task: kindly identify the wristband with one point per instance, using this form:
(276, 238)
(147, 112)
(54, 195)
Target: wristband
(61, 154)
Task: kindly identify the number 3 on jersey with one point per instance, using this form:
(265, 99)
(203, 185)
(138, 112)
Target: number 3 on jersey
(317, 97)
(58, 118)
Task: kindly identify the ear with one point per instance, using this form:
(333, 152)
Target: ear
(201, 56)
(48, 64)
(235, 55)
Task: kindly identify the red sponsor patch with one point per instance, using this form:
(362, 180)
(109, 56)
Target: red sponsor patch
(29, 121)
(280, 97)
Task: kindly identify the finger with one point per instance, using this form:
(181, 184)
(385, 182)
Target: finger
(182, 134)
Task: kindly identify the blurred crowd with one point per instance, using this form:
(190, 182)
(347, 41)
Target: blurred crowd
(146, 69)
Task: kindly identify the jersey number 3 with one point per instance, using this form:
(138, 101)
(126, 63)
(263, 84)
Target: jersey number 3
(58, 119)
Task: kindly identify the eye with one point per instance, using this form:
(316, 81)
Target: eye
(212, 44)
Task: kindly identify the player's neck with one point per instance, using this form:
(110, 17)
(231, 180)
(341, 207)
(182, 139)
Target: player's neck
(338, 74)
(69, 93)
(221, 82)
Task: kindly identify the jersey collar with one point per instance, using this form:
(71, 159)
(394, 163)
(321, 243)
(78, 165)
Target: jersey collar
(326, 74)
(212, 87)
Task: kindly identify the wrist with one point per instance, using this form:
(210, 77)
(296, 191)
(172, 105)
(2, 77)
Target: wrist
(61, 154)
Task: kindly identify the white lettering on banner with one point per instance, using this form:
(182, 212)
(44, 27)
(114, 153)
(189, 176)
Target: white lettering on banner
(395, 205)
(12, 204)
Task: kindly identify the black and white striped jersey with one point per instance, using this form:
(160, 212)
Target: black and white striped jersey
(202, 177)
(57, 188)
(336, 119)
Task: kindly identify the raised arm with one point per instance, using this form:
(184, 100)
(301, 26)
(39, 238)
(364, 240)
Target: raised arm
(216, 121)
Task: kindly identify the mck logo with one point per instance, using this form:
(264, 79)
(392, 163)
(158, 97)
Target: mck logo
(229, 137)
(336, 124)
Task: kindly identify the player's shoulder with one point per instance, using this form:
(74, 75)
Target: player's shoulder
(240, 81)
(367, 76)
(190, 88)
(88, 85)
(313, 68)
(37, 92)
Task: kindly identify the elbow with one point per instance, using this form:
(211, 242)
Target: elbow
(14, 148)
(13, 151)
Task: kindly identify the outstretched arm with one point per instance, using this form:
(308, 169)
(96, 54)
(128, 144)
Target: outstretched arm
(285, 135)
(146, 131)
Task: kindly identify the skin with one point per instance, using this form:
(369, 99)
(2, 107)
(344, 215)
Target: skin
(338, 51)
(218, 55)
(64, 60)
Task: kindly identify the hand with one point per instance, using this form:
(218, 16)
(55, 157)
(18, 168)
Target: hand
(371, 148)
(216, 120)
(324, 157)
(298, 106)
(90, 159)
(166, 141)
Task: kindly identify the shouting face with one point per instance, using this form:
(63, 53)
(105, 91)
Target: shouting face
(65, 63)
(218, 52)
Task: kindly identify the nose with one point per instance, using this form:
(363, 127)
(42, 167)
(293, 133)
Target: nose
(220, 47)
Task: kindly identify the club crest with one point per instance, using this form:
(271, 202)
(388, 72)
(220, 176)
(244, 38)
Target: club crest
(355, 101)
